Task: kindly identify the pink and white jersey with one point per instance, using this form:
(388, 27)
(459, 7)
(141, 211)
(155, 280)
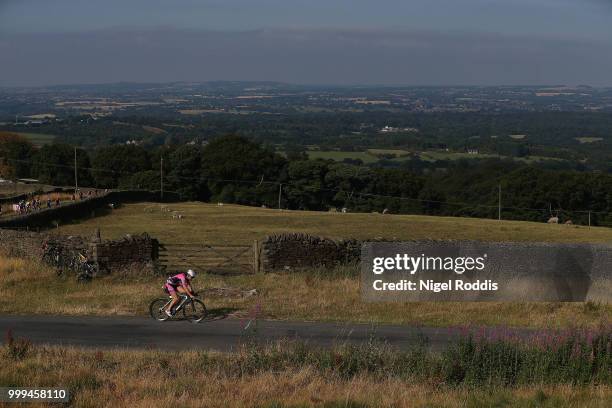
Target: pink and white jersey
(180, 279)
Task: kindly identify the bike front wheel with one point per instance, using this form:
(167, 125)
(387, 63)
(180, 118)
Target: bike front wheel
(195, 311)
(157, 309)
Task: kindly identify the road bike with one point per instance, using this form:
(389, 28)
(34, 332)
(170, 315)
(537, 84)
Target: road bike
(192, 309)
(85, 269)
(70, 261)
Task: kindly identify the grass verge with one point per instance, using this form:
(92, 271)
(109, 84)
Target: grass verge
(30, 288)
(476, 373)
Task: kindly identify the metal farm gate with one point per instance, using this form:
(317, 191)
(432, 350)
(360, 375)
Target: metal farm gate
(210, 258)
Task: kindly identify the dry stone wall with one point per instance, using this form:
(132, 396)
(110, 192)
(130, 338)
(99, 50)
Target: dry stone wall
(30, 245)
(573, 272)
(22, 244)
(130, 253)
(134, 253)
(298, 250)
(82, 209)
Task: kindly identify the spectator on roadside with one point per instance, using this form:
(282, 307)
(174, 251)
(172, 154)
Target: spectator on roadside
(57, 202)
(48, 203)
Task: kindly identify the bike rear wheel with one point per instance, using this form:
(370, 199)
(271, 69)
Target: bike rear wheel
(156, 309)
(195, 311)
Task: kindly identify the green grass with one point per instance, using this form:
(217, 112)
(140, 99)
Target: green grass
(339, 156)
(395, 152)
(438, 155)
(234, 224)
(370, 155)
(537, 159)
(38, 139)
(584, 140)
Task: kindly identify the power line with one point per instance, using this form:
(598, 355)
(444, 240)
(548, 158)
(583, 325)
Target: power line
(499, 204)
(289, 184)
(76, 177)
(161, 177)
(120, 172)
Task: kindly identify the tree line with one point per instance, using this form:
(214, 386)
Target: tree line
(575, 137)
(235, 169)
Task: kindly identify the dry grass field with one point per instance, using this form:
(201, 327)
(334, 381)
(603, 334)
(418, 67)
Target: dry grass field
(233, 224)
(307, 295)
(29, 288)
(249, 378)
(121, 378)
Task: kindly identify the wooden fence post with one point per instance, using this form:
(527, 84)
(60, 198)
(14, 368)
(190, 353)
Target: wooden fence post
(256, 266)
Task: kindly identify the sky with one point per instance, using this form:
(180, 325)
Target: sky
(342, 42)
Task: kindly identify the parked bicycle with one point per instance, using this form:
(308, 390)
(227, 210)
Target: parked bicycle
(191, 309)
(71, 261)
(85, 269)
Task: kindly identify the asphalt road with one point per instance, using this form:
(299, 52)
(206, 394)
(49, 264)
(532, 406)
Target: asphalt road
(222, 335)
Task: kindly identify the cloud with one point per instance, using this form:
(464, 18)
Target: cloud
(338, 56)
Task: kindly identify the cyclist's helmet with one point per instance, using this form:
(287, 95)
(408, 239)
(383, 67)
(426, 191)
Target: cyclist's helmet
(191, 273)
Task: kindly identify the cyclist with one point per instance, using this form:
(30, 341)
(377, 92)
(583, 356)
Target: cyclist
(179, 283)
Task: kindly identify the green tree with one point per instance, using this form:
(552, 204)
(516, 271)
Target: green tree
(185, 176)
(305, 189)
(242, 170)
(348, 182)
(54, 164)
(143, 180)
(114, 162)
(15, 156)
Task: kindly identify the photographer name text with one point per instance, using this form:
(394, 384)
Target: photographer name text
(412, 265)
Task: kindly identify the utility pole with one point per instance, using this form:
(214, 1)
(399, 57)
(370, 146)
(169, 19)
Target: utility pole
(589, 218)
(161, 178)
(76, 179)
(499, 203)
(280, 192)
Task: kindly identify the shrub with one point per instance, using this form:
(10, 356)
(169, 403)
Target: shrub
(570, 357)
(17, 349)
(573, 357)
